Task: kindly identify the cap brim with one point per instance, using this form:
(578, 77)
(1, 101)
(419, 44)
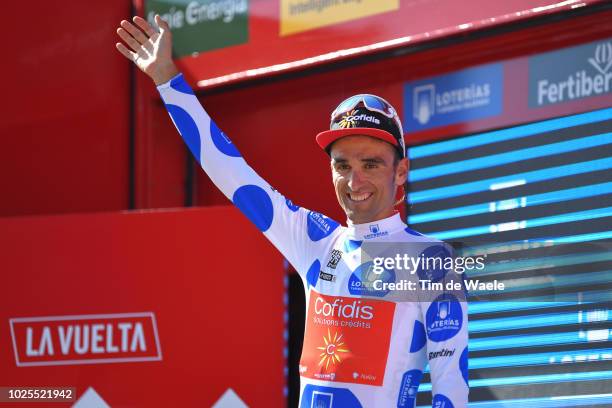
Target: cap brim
(324, 139)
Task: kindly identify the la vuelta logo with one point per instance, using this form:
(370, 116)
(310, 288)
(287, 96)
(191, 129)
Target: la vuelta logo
(85, 339)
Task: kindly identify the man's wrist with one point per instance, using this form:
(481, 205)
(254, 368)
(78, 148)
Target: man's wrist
(164, 74)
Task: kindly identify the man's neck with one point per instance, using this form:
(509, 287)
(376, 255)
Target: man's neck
(375, 229)
(361, 221)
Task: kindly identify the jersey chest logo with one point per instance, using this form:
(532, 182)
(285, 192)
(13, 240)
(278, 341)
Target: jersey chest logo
(347, 339)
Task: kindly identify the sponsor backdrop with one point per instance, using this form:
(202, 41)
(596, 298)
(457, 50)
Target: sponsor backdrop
(157, 308)
(226, 40)
(513, 190)
(518, 90)
(570, 74)
(463, 96)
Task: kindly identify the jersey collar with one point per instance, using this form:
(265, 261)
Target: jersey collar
(375, 229)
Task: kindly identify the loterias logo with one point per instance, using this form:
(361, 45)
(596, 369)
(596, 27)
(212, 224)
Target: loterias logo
(461, 96)
(375, 232)
(444, 318)
(85, 339)
(571, 73)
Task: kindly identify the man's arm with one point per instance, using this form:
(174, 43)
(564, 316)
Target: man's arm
(446, 322)
(296, 232)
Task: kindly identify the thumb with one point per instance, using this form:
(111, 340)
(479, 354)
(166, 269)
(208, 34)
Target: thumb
(162, 24)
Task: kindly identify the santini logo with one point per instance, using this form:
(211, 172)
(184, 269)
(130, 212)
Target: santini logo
(582, 83)
(442, 353)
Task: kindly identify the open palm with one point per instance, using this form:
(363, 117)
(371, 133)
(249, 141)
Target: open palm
(149, 49)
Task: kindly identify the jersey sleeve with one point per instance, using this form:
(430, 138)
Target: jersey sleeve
(445, 314)
(293, 230)
(448, 364)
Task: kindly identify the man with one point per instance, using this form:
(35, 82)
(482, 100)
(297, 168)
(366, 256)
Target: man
(361, 348)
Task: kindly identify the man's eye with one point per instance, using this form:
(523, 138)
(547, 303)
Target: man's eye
(371, 165)
(342, 167)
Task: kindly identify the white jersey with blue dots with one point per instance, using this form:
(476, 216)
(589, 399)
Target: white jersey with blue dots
(360, 350)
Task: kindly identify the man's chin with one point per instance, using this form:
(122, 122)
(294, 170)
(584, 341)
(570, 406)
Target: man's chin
(356, 215)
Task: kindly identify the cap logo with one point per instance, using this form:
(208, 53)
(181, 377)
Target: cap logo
(349, 119)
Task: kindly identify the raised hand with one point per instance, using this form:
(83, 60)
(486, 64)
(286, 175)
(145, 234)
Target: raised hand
(149, 49)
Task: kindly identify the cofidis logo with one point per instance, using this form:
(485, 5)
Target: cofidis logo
(85, 339)
(346, 339)
(351, 119)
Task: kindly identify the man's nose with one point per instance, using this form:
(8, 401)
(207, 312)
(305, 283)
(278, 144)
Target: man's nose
(355, 180)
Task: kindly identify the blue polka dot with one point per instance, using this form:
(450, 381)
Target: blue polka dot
(463, 365)
(441, 401)
(187, 128)
(444, 318)
(179, 84)
(319, 226)
(362, 280)
(222, 142)
(292, 206)
(351, 245)
(255, 203)
(418, 337)
(409, 388)
(434, 269)
(336, 397)
(413, 232)
(312, 276)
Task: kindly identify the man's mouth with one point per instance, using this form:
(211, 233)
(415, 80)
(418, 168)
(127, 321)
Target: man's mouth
(358, 197)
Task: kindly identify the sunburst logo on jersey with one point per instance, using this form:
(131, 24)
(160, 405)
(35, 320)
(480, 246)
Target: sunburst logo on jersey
(348, 120)
(332, 350)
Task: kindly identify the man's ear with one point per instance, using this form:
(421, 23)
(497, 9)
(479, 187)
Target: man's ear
(401, 171)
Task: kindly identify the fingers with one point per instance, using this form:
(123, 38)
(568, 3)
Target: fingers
(126, 53)
(144, 25)
(163, 26)
(134, 32)
(129, 40)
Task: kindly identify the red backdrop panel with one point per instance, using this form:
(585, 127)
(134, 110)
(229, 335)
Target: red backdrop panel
(205, 286)
(267, 52)
(65, 109)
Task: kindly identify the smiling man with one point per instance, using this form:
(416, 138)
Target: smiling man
(362, 347)
(366, 146)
